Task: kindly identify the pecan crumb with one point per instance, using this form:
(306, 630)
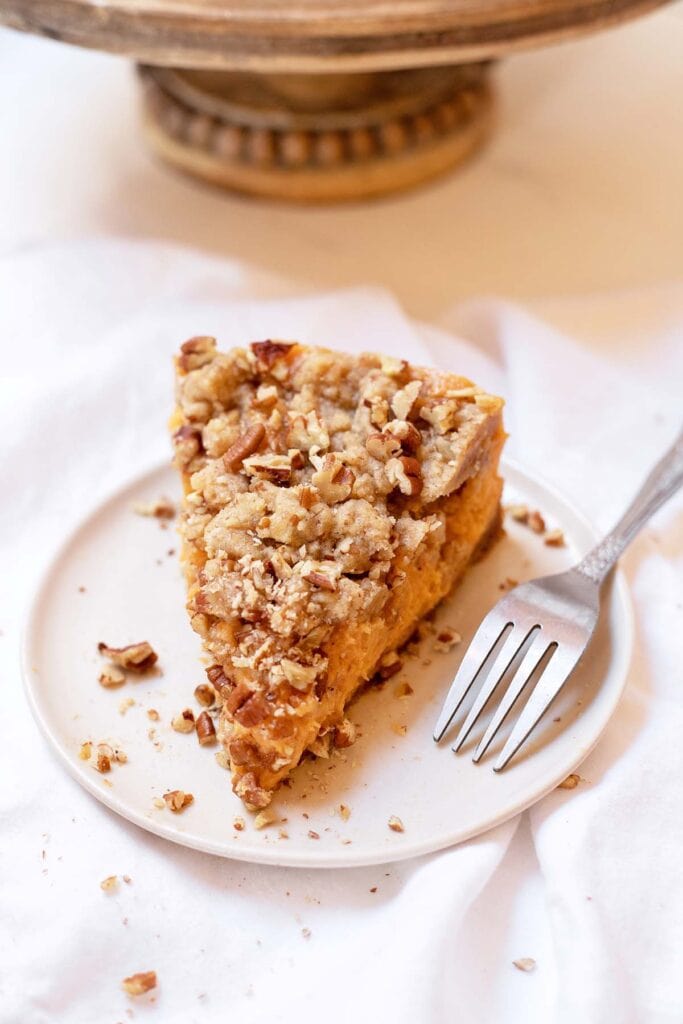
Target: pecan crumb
(554, 539)
(571, 782)
(447, 639)
(404, 690)
(265, 818)
(269, 352)
(536, 522)
(184, 722)
(395, 824)
(238, 824)
(520, 513)
(162, 508)
(177, 801)
(126, 703)
(159, 803)
(525, 963)
(153, 714)
(134, 658)
(103, 764)
(85, 753)
(111, 676)
(312, 834)
(344, 812)
(109, 883)
(138, 984)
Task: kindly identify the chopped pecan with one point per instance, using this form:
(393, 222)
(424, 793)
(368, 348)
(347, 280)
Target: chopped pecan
(206, 732)
(245, 445)
(253, 711)
(133, 658)
(554, 539)
(536, 522)
(308, 497)
(138, 984)
(205, 694)
(184, 722)
(403, 402)
(395, 824)
(237, 697)
(333, 479)
(383, 446)
(176, 800)
(408, 434)
(442, 414)
(196, 352)
(318, 579)
(218, 679)
(268, 352)
(276, 468)
(406, 474)
(248, 789)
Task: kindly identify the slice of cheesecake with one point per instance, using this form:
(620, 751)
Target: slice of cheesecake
(331, 501)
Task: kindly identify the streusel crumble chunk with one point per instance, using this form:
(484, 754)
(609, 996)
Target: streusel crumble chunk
(331, 501)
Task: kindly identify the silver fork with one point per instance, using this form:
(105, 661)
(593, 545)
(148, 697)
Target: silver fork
(542, 628)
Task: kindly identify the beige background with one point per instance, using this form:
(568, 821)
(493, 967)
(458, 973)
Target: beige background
(580, 191)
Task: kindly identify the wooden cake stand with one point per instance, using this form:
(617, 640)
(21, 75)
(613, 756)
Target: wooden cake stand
(316, 100)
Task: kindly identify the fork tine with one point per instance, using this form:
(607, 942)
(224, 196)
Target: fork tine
(482, 647)
(545, 691)
(504, 659)
(525, 670)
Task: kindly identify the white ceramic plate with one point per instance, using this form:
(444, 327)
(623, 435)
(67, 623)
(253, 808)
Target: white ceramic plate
(134, 591)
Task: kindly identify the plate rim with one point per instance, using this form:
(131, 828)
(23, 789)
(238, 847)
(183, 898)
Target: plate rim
(277, 856)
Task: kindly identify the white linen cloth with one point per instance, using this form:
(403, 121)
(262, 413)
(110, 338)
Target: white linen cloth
(588, 883)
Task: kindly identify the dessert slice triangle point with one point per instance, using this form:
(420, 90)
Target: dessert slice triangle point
(330, 502)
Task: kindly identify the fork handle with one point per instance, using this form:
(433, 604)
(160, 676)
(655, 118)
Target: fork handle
(661, 484)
